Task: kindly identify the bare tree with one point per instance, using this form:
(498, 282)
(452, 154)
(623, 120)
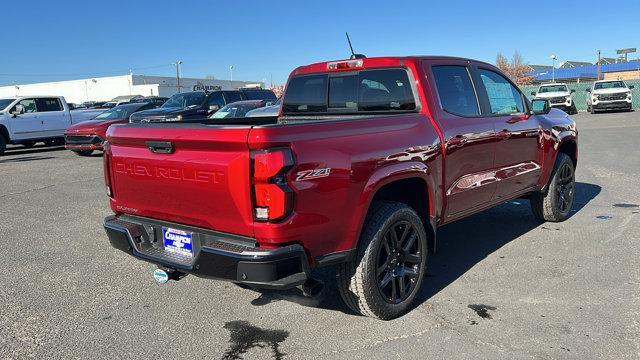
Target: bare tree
(517, 69)
(502, 63)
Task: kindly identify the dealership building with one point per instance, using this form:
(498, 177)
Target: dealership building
(107, 88)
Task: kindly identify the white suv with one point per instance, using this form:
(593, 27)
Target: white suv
(559, 96)
(609, 95)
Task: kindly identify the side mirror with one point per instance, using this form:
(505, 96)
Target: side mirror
(540, 106)
(631, 87)
(533, 93)
(572, 91)
(214, 108)
(18, 110)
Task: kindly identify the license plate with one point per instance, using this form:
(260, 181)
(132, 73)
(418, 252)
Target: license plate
(178, 241)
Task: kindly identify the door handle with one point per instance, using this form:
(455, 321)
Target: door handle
(458, 140)
(159, 147)
(517, 118)
(504, 134)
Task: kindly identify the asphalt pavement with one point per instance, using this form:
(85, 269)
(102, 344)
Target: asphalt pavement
(501, 286)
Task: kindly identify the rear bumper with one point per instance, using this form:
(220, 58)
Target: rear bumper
(83, 142)
(215, 255)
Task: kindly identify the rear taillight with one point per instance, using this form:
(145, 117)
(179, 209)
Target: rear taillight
(272, 196)
(106, 161)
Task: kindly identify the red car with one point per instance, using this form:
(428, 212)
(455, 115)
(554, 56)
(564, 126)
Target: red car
(86, 137)
(368, 157)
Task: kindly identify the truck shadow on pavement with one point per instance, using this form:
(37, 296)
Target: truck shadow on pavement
(464, 243)
(461, 245)
(25, 159)
(19, 150)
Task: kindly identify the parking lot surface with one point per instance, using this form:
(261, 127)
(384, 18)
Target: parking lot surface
(501, 286)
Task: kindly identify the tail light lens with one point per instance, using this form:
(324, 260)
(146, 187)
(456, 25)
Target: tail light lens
(272, 196)
(106, 161)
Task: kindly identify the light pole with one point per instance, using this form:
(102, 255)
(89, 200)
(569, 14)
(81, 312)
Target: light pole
(553, 68)
(178, 62)
(231, 71)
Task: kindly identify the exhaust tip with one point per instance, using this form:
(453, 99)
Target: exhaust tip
(161, 276)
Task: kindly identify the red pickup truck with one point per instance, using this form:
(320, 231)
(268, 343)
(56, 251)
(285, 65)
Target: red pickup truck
(367, 158)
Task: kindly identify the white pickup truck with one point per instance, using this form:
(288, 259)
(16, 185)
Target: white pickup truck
(609, 95)
(559, 96)
(26, 120)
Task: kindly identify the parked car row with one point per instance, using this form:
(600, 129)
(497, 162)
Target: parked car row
(86, 137)
(49, 119)
(603, 95)
(199, 105)
(26, 120)
(118, 100)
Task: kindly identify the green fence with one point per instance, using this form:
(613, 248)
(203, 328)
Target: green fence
(580, 96)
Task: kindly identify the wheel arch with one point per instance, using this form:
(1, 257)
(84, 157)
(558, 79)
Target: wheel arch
(569, 147)
(410, 184)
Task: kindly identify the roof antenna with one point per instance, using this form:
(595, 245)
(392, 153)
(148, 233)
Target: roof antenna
(353, 54)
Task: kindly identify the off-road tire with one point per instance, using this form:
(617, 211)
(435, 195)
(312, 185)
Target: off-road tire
(358, 280)
(3, 145)
(547, 205)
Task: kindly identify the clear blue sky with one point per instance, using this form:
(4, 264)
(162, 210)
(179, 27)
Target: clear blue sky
(57, 40)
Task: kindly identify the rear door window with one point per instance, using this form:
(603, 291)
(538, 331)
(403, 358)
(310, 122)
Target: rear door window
(380, 90)
(48, 104)
(455, 90)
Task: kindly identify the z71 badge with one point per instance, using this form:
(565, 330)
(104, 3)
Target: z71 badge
(313, 174)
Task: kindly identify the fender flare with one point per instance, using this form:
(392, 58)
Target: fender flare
(386, 175)
(560, 139)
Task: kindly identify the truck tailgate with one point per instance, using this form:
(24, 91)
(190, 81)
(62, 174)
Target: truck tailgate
(202, 180)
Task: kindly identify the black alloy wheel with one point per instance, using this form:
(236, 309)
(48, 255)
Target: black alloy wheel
(399, 262)
(565, 187)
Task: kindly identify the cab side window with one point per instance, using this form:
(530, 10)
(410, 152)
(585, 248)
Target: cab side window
(455, 90)
(28, 104)
(503, 97)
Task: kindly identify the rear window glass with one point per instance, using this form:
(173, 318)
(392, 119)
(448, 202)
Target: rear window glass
(260, 95)
(306, 94)
(232, 96)
(365, 91)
